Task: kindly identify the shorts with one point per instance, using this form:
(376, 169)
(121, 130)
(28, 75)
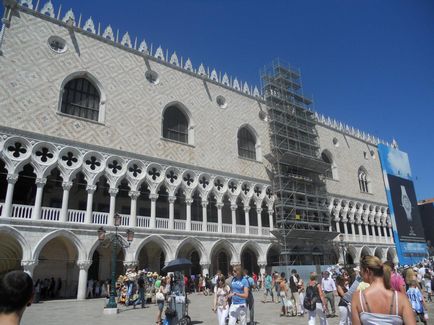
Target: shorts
(428, 288)
(160, 305)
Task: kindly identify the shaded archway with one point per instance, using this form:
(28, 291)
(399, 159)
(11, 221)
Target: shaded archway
(273, 255)
(222, 256)
(249, 260)
(101, 267)
(25, 187)
(58, 261)
(379, 253)
(3, 181)
(101, 197)
(162, 203)
(192, 249)
(11, 253)
(365, 251)
(152, 253)
(53, 191)
(123, 200)
(211, 208)
(78, 194)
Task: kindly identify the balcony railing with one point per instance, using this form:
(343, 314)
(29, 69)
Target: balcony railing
(102, 218)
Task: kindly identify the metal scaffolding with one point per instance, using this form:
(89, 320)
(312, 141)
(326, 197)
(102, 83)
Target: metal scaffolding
(298, 171)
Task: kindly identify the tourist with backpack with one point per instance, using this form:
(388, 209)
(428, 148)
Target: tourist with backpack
(239, 295)
(250, 299)
(314, 301)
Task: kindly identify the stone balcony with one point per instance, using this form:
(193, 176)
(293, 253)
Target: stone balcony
(25, 212)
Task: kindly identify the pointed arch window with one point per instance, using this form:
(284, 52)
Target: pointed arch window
(332, 172)
(246, 144)
(175, 124)
(363, 181)
(81, 98)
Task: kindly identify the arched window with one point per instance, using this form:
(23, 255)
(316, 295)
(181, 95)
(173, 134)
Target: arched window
(327, 157)
(363, 181)
(81, 98)
(246, 144)
(175, 124)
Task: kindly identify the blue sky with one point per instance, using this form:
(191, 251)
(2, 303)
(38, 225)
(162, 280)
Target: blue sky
(367, 63)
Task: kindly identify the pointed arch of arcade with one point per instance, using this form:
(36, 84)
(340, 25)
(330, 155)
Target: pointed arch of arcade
(351, 251)
(270, 258)
(25, 247)
(167, 250)
(96, 244)
(251, 262)
(81, 250)
(197, 245)
(365, 251)
(254, 247)
(391, 255)
(228, 247)
(379, 253)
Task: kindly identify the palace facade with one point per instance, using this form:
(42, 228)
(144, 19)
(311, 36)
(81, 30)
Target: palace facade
(93, 124)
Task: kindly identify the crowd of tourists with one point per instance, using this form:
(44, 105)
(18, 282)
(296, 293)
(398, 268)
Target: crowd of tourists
(372, 293)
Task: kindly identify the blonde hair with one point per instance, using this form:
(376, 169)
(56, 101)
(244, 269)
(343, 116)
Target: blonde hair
(378, 268)
(237, 268)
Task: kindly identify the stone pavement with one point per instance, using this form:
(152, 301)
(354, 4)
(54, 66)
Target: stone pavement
(73, 312)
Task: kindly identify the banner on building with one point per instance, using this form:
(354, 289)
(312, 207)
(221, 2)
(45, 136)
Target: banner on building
(406, 222)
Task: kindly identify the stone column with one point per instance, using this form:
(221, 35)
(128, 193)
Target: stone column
(172, 200)
(259, 217)
(353, 228)
(345, 228)
(40, 183)
(205, 269)
(219, 217)
(234, 218)
(29, 266)
(338, 226)
(359, 225)
(90, 189)
(133, 210)
(204, 216)
(247, 218)
(262, 267)
(270, 216)
(7, 208)
(367, 230)
(65, 199)
(113, 192)
(153, 198)
(188, 203)
(82, 278)
(374, 237)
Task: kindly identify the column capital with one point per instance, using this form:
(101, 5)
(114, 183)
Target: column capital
(258, 210)
(29, 266)
(130, 264)
(29, 263)
(262, 264)
(172, 199)
(233, 207)
(12, 178)
(113, 191)
(205, 265)
(153, 196)
(66, 185)
(41, 181)
(246, 209)
(84, 264)
(188, 201)
(270, 211)
(134, 194)
(91, 189)
(204, 204)
(219, 205)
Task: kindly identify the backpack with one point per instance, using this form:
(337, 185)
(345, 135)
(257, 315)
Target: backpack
(311, 297)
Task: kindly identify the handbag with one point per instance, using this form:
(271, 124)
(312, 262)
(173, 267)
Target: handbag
(159, 296)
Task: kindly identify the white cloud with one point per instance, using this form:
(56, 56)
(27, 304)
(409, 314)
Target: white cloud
(399, 163)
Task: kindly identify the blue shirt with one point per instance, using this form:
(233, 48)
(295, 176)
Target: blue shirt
(416, 299)
(268, 281)
(238, 286)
